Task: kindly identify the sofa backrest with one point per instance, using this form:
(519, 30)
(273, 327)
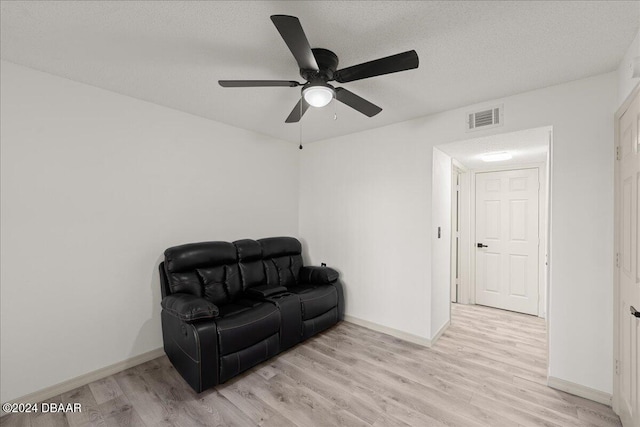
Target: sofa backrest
(251, 268)
(208, 270)
(271, 262)
(221, 271)
(282, 258)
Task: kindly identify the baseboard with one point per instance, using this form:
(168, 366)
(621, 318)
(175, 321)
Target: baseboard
(579, 390)
(441, 331)
(389, 331)
(79, 381)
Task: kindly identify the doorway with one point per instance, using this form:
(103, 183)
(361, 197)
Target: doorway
(500, 221)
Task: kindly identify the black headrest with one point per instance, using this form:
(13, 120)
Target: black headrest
(280, 246)
(248, 250)
(199, 255)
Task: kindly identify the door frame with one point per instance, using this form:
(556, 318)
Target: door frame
(455, 233)
(615, 398)
(463, 211)
(543, 229)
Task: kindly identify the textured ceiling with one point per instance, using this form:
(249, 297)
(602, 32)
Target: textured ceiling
(527, 147)
(172, 53)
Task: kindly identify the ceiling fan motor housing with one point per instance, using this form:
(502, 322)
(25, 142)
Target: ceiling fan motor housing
(327, 63)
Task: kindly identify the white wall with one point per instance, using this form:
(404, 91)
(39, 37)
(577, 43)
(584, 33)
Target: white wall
(95, 186)
(364, 210)
(626, 82)
(365, 207)
(441, 247)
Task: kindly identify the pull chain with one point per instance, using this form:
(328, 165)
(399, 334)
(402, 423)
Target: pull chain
(300, 121)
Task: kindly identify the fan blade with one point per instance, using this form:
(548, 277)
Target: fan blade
(258, 83)
(298, 111)
(390, 64)
(357, 103)
(291, 31)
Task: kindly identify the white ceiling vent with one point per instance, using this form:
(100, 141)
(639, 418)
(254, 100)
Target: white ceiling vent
(485, 119)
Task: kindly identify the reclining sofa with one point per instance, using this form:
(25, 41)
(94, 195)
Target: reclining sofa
(228, 306)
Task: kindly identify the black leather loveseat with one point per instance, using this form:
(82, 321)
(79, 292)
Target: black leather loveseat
(228, 306)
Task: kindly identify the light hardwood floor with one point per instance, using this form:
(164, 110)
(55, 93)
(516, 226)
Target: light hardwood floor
(488, 369)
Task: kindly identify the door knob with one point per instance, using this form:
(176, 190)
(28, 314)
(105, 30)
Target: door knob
(480, 245)
(634, 312)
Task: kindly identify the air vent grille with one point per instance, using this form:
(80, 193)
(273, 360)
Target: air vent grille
(484, 119)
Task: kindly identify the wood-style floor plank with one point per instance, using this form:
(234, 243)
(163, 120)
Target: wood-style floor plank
(143, 398)
(15, 420)
(48, 419)
(488, 369)
(342, 375)
(119, 412)
(90, 414)
(105, 389)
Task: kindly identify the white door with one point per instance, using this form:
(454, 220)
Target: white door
(628, 260)
(507, 240)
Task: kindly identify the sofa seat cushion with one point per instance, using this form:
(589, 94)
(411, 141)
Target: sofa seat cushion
(315, 300)
(302, 289)
(232, 309)
(241, 304)
(248, 302)
(245, 327)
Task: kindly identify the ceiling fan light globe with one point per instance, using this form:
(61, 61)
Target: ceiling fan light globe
(318, 96)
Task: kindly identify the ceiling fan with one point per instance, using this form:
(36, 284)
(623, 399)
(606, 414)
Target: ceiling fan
(319, 66)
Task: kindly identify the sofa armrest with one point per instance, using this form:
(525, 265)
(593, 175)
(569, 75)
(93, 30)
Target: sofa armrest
(264, 292)
(189, 308)
(318, 275)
